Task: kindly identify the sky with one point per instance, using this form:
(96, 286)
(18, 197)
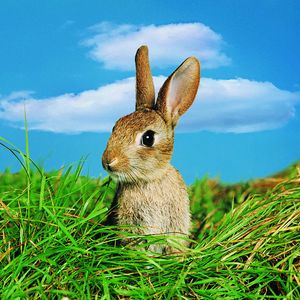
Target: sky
(70, 65)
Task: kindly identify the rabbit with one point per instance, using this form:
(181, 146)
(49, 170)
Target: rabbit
(151, 196)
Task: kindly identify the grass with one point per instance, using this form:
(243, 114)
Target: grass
(245, 240)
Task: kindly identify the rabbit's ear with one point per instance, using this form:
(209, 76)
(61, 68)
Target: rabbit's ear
(145, 95)
(179, 91)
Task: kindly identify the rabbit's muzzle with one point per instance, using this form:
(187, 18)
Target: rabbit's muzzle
(109, 161)
(108, 166)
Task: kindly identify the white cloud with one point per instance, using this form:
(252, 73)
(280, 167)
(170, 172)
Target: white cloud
(236, 105)
(18, 95)
(92, 110)
(115, 45)
(239, 105)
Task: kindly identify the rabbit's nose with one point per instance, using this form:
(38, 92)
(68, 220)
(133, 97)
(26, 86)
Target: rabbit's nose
(108, 164)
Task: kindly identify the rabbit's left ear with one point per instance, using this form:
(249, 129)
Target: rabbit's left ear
(179, 91)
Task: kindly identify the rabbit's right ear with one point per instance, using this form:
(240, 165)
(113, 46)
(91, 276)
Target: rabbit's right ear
(179, 91)
(145, 95)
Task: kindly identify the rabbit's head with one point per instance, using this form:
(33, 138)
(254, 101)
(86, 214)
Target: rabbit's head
(141, 143)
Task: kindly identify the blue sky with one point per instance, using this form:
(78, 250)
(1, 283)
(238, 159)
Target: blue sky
(72, 64)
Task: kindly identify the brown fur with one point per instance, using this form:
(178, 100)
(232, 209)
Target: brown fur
(145, 94)
(152, 196)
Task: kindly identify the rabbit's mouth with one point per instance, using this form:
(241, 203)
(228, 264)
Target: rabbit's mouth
(128, 176)
(117, 176)
(120, 176)
(137, 177)
(116, 170)
(123, 177)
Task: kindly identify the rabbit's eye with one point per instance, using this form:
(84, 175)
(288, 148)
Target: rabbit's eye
(148, 138)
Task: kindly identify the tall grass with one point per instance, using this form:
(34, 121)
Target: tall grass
(245, 246)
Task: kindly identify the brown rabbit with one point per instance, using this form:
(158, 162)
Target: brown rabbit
(151, 195)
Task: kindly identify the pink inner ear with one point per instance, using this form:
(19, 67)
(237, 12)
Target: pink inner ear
(179, 90)
(176, 91)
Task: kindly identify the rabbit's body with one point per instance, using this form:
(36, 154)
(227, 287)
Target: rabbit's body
(158, 206)
(152, 196)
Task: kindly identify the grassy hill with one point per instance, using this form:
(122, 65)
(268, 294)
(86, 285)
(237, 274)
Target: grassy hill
(245, 241)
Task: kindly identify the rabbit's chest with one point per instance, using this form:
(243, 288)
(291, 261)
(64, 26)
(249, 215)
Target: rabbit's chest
(153, 208)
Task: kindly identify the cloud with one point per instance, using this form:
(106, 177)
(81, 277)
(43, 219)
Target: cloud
(92, 110)
(18, 95)
(239, 105)
(115, 45)
(236, 105)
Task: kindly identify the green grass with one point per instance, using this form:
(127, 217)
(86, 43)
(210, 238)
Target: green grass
(245, 240)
